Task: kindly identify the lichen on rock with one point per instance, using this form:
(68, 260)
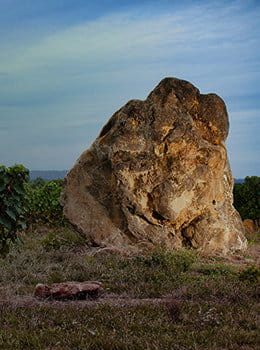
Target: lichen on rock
(158, 175)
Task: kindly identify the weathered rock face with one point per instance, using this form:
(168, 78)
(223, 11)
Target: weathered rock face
(158, 175)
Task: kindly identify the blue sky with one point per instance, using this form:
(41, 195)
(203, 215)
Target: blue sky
(66, 66)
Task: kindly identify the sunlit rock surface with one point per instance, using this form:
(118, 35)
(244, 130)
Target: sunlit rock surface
(158, 175)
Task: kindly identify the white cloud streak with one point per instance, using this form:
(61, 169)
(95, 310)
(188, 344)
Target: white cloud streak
(81, 74)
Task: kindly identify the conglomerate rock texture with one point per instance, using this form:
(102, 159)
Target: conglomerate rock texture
(158, 175)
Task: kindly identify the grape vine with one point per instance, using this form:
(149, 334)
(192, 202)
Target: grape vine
(12, 213)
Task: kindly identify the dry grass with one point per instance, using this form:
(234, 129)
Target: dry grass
(195, 302)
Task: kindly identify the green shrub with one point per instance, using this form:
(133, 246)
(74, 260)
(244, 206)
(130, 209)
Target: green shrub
(247, 198)
(180, 260)
(56, 240)
(43, 202)
(38, 182)
(12, 189)
(215, 270)
(250, 274)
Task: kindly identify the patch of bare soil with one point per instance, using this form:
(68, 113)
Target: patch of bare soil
(254, 251)
(251, 256)
(112, 299)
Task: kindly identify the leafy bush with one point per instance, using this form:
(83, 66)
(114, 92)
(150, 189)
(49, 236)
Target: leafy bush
(56, 240)
(180, 260)
(247, 198)
(38, 182)
(12, 189)
(250, 274)
(215, 270)
(43, 202)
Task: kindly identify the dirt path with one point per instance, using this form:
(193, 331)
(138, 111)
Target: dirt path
(111, 299)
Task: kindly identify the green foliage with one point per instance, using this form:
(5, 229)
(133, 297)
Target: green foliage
(180, 260)
(38, 182)
(43, 202)
(23, 202)
(56, 240)
(247, 198)
(250, 274)
(12, 189)
(215, 270)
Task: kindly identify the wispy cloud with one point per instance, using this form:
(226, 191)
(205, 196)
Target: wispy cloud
(79, 74)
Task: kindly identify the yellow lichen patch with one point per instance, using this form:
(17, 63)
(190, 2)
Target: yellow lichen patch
(135, 123)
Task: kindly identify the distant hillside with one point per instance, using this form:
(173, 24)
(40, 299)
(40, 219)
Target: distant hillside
(239, 181)
(48, 175)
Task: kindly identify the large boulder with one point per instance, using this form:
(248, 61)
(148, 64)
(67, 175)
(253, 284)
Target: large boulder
(158, 175)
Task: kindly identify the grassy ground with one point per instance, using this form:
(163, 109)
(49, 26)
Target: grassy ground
(161, 301)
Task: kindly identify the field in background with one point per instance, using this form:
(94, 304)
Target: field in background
(49, 175)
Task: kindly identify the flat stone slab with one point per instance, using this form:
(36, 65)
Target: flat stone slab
(69, 290)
